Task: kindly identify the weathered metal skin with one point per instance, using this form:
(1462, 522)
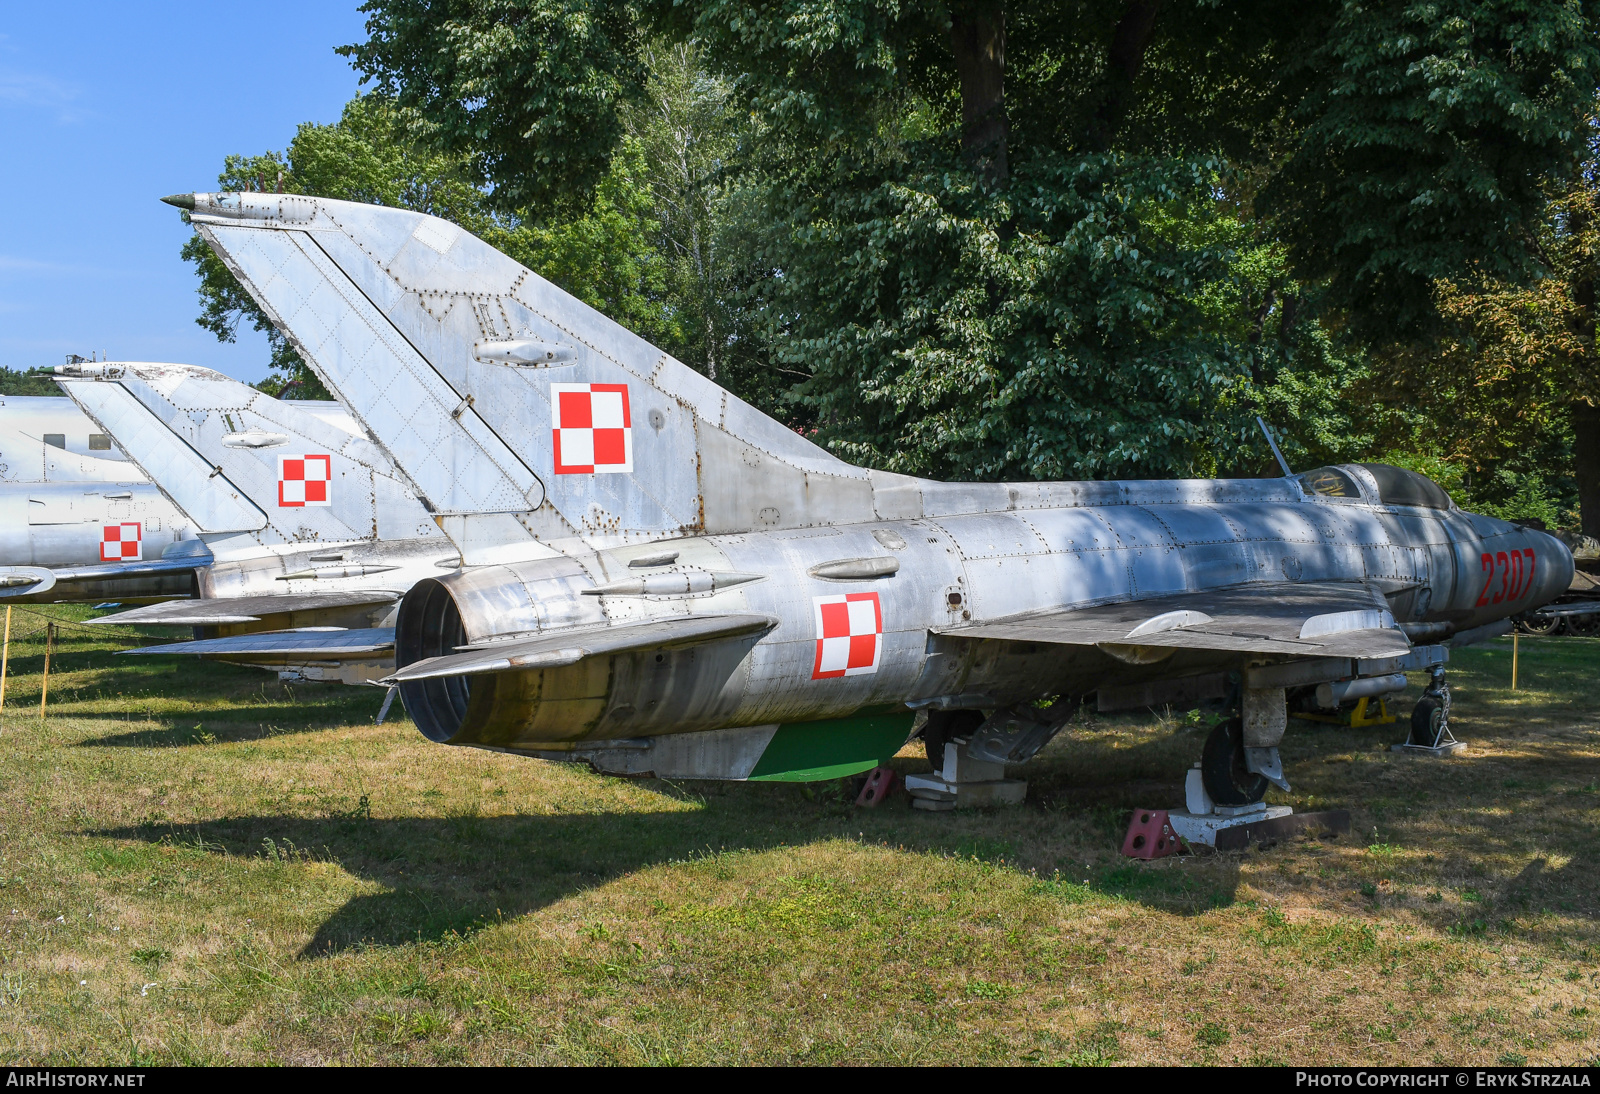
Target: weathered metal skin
(1000, 564)
(27, 456)
(57, 493)
(490, 388)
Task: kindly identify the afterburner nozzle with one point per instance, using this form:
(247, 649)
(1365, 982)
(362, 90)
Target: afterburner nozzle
(181, 201)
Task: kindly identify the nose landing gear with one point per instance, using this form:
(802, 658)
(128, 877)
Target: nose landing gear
(1430, 722)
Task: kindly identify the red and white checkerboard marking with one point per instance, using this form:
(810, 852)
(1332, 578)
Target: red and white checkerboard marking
(593, 429)
(122, 542)
(305, 480)
(849, 635)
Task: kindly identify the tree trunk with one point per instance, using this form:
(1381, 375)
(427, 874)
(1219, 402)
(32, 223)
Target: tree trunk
(1586, 464)
(978, 40)
(1586, 416)
(1123, 60)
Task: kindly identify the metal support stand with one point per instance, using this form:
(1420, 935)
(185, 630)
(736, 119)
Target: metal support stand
(964, 782)
(388, 701)
(1203, 820)
(1359, 717)
(1226, 828)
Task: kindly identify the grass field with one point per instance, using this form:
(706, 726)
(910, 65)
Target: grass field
(201, 865)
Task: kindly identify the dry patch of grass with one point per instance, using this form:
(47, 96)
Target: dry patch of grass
(199, 866)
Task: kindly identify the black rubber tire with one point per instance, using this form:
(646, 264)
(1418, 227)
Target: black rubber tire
(1222, 768)
(1425, 718)
(1583, 626)
(943, 725)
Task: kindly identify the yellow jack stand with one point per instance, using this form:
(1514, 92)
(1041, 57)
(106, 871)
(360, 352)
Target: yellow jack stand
(1357, 718)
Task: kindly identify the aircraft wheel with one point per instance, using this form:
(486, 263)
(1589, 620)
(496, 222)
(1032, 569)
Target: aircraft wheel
(1222, 768)
(1427, 717)
(943, 725)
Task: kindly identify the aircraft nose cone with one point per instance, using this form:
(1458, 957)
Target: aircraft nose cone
(1553, 567)
(180, 201)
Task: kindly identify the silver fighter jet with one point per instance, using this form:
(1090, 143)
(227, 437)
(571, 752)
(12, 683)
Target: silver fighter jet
(312, 538)
(668, 581)
(78, 521)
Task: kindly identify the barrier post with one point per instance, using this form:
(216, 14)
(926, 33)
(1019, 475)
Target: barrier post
(44, 685)
(5, 657)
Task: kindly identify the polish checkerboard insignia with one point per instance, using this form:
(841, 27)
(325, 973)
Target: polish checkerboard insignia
(305, 480)
(122, 542)
(849, 635)
(593, 429)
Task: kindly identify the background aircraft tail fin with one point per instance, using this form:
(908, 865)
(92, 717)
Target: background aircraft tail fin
(238, 461)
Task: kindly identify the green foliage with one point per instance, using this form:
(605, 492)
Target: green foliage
(17, 382)
(1428, 131)
(526, 94)
(1487, 409)
(1043, 332)
(1054, 302)
(606, 257)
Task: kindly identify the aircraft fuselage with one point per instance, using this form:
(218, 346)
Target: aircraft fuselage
(1434, 566)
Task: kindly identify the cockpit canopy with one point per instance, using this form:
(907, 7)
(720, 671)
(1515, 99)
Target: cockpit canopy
(1396, 485)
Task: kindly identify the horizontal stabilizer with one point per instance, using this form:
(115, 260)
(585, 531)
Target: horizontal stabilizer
(325, 644)
(245, 609)
(568, 647)
(1327, 620)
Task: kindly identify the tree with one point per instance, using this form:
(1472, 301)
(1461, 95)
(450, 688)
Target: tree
(1509, 395)
(18, 382)
(606, 257)
(972, 228)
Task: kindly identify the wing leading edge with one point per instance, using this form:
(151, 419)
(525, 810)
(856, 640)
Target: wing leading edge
(1329, 620)
(568, 647)
(268, 645)
(246, 609)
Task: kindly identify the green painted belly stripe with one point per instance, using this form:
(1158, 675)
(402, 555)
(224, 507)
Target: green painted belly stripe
(812, 751)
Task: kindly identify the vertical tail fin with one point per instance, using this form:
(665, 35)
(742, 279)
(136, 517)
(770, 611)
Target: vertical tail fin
(494, 391)
(244, 465)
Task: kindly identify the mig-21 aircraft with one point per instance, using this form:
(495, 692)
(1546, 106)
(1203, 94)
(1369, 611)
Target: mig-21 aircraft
(662, 579)
(311, 538)
(78, 521)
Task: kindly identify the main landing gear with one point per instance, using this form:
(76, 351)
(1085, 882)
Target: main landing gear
(1238, 765)
(1224, 769)
(969, 752)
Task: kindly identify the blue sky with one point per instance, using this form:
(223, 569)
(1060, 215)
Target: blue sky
(105, 107)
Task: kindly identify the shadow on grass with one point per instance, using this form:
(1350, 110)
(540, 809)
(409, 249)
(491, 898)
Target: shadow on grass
(448, 876)
(454, 875)
(264, 722)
